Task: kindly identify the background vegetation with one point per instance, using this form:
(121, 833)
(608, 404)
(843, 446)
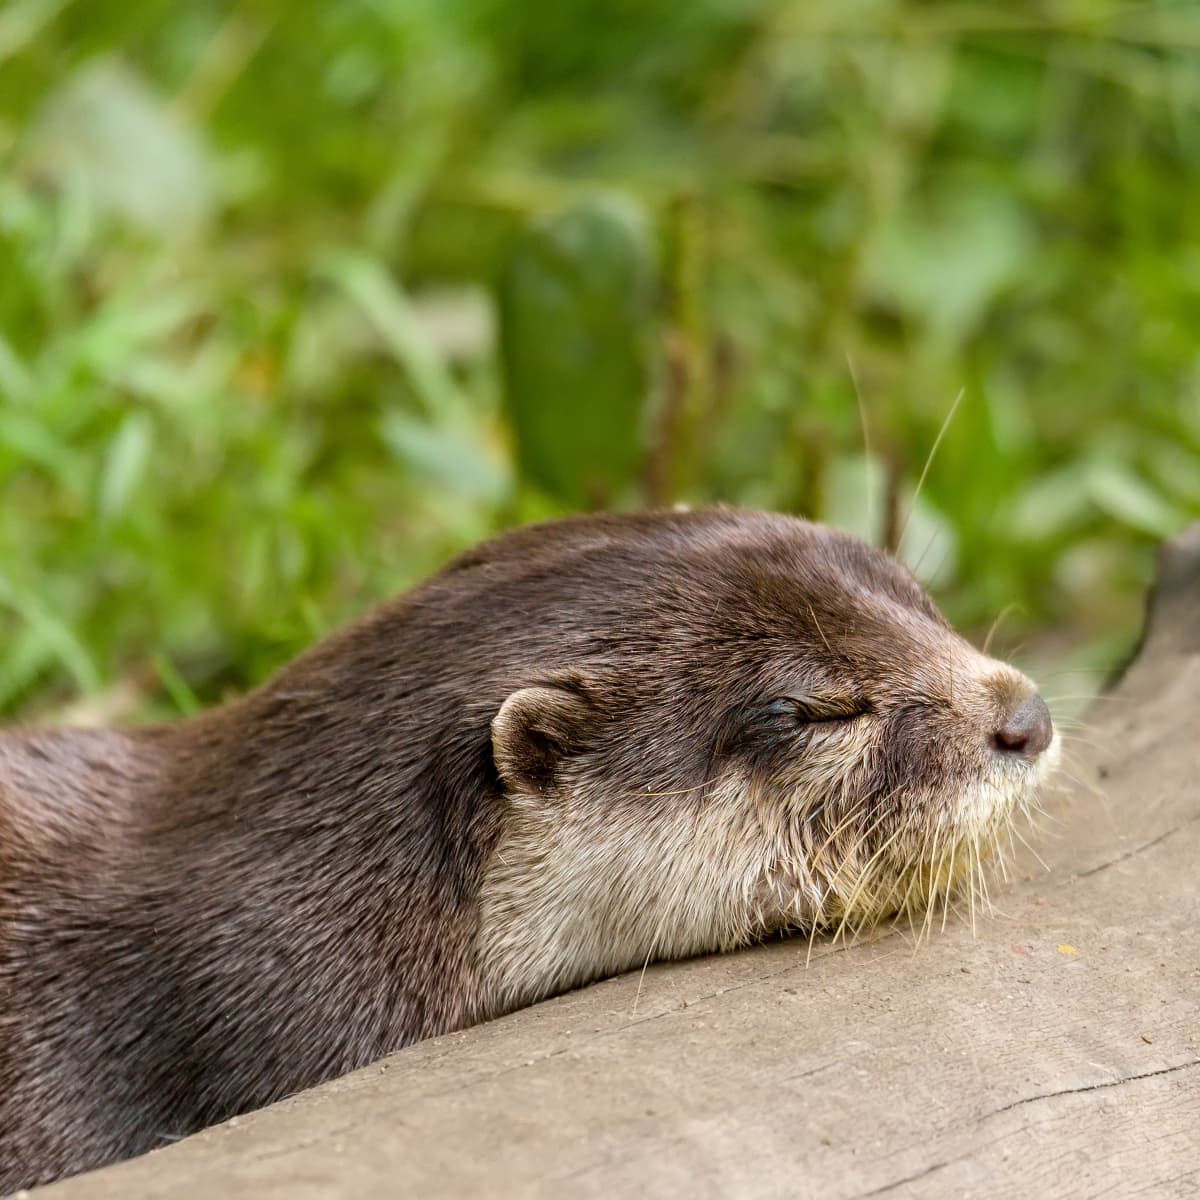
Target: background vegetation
(298, 298)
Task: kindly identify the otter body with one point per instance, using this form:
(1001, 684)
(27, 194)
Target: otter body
(580, 746)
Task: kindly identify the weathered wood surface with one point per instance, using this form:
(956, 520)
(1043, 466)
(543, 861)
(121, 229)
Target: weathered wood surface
(1054, 1053)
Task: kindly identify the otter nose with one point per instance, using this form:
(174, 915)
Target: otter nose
(1027, 731)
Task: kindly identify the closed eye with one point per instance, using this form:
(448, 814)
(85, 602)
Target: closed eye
(815, 710)
(763, 726)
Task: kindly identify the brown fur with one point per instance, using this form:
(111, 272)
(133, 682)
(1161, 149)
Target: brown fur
(568, 752)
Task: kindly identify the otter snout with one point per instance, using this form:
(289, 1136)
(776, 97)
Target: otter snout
(1027, 731)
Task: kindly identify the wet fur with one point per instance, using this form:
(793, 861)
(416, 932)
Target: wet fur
(552, 761)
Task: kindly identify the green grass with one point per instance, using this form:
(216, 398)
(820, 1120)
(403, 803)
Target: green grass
(253, 264)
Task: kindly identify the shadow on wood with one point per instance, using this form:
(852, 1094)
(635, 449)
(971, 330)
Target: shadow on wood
(1054, 1053)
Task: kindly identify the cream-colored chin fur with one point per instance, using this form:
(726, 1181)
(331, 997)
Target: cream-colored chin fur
(580, 890)
(569, 898)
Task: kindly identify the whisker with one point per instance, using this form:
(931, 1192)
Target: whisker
(656, 795)
(949, 881)
(864, 874)
(987, 641)
(1040, 859)
(925, 470)
(817, 623)
(845, 905)
(872, 516)
(934, 868)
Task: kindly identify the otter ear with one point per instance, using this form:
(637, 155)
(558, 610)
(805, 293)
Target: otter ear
(535, 729)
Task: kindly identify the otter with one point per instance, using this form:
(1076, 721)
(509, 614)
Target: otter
(583, 745)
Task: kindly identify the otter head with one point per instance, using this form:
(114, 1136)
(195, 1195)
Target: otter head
(729, 724)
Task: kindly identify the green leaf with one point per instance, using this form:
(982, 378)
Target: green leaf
(24, 439)
(1049, 506)
(945, 260)
(929, 547)
(124, 464)
(53, 636)
(387, 307)
(575, 302)
(1116, 490)
(15, 380)
(445, 456)
(107, 131)
(855, 490)
(182, 696)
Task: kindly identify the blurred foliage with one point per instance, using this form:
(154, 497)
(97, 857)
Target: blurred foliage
(574, 305)
(278, 283)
